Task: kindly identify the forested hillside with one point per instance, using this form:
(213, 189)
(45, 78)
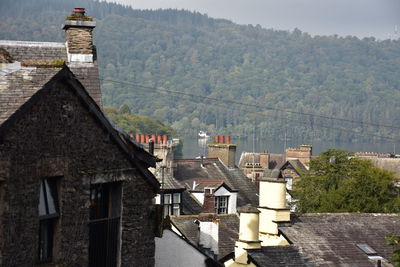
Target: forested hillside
(254, 73)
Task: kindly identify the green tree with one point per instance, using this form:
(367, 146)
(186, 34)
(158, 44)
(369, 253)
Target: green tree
(124, 109)
(338, 182)
(393, 240)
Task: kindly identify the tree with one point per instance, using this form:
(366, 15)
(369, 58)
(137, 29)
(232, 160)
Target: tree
(393, 240)
(338, 182)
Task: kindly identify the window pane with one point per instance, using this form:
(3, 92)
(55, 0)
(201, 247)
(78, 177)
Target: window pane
(167, 199)
(46, 231)
(176, 210)
(166, 210)
(177, 198)
(50, 197)
(42, 204)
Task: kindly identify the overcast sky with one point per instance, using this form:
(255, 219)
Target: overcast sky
(343, 17)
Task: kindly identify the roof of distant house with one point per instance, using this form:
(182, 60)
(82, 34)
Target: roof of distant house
(295, 164)
(189, 170)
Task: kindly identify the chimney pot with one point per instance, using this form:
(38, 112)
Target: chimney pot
(138, 138)
(227, 139)
(165, 139)
(147, 138)
(216, 138)
(221, 139)
(159, 139)
(80, 11)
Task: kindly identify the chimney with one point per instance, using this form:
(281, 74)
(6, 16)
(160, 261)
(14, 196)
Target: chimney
(225, 152)
(273, 210)
(209, 201)
(78, 28)
(248, 234)
(264, 160)
(208, 233)
(302, 153)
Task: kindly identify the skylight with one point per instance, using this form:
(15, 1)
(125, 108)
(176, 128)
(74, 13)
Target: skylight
(367, 249)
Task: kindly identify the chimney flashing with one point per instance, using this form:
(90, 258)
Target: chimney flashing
(79, 23)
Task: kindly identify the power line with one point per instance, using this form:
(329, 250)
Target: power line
(254, 105)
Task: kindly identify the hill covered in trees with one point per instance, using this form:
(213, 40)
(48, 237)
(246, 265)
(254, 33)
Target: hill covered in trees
(215, 75)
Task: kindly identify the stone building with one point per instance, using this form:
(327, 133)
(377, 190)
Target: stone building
(73, 190)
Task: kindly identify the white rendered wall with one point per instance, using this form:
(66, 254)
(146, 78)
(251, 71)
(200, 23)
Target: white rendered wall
(173, 251)
(209, 235)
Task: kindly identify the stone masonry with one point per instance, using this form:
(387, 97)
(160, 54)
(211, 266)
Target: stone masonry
(80, 40)
(58, 137)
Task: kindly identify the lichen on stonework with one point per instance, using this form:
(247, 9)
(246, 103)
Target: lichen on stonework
(82, 18)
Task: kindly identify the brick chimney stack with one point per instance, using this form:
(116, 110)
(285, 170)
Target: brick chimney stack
(223, 149)
(209, 201)
(78, 29)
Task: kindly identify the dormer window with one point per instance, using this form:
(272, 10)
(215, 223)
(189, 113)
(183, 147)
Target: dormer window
(221, 204)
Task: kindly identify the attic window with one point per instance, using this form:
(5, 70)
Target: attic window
(367, 249)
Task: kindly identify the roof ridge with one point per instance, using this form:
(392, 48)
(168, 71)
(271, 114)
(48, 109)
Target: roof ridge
(31, 43)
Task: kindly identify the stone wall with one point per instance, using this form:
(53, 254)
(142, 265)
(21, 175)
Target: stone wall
(59, 137)
(80, 40)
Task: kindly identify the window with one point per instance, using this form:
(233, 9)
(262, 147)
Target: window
(104, 225)
(221, 204)
(172, 204)
(48, 216)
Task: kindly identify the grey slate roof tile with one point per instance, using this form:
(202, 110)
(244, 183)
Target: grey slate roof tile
(331, 238)
(17, 87)
(279, 256)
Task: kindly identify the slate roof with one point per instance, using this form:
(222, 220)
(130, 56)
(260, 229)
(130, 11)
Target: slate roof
(329, 239)
(189, 170)
(228, 230)
(274, 173)
(189, 204)
(25, 80)
(296, 164)
(202, 184)
(248, 157)
(20, 88)
(276, 161)
(279, 256)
